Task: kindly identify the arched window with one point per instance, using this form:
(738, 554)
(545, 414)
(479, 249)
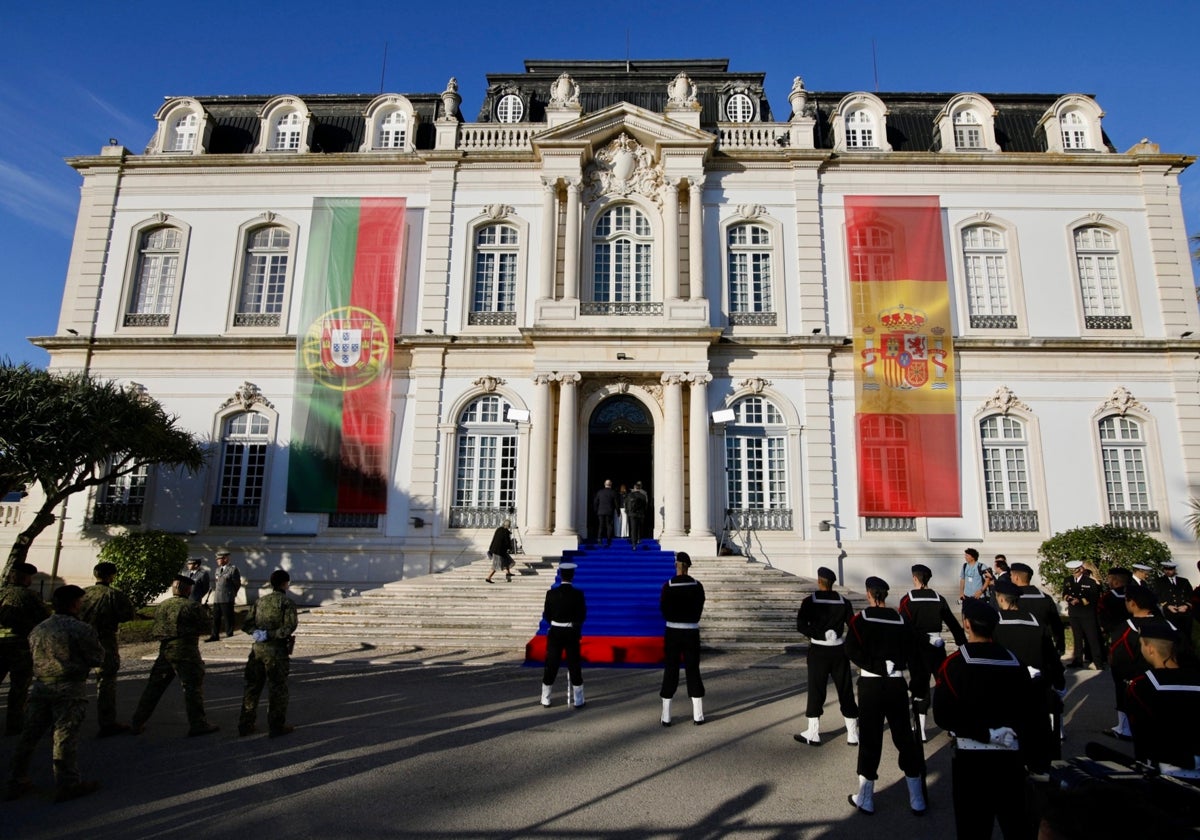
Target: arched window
(485, 475)
(860, 130)
(985, 260)
(756, 463)
(495, 274)
(1006, 474)
(739, 108)
(872, 257)
(750, 250)
(1126, 485)
(183, 133)
(1074, 131)
(286, 133)
(244, 441)
(968, 131)
(1097, 260)
(392, 131)
(623, 250)
(264, 277)
(153, 295)
(510, 109)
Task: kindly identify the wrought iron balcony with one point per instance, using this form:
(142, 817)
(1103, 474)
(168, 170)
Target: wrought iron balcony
(362, 521)
(147, 319)
(479, 517)
(752, 319)
(1137, 520)
(891, 523)
(1012, 520)
(623, 307)
(237, 516)
(492, 319)
(256, 319)
(758, 519)
(1108, 322)
(994, 322)
(117, 513)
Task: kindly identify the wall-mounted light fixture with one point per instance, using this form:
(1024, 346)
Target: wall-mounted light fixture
(624, 357)
(724, 415)
(824, 525)
(816, 331)
(518, 415)
(416, 521)
(1185, 333)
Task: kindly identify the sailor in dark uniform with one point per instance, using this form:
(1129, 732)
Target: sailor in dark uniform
(823, 617)
(1174, 597)
(986, 698)
(1111, 612)
(1164, 705)
(1032, 644)
(1082, 593)
(681, 603)
(566, 610)
(1040, 605)
(926, 612)
(1125, 655)
(880, 642)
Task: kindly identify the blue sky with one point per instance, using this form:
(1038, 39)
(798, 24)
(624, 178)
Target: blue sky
(73, 74)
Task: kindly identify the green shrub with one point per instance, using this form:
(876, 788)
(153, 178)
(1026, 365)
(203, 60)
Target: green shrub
(147, 562)
(1104, 546)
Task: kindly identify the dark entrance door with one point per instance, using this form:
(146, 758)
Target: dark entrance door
(621, 449)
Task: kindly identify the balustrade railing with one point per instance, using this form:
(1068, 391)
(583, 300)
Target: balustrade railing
(483, 137)
(1012, 520)
(1137, 520)
(758, 519)
(476, 517)
(891, 523)
(752, 135)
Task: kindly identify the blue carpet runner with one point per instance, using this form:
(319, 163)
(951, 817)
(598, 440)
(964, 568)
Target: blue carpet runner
(624, 625)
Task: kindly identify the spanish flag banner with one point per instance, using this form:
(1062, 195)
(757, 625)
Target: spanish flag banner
(339, 456)
(906, 408)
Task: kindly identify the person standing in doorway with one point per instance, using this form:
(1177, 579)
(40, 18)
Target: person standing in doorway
(227, 583)
(637, 505)
(604, 504)
(622, 518)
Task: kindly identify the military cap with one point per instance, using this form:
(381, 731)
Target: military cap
(1023, 568)
(195, 560)
(977, 609)
(1169, 564)
(183, 580)
(684, 558)
(568, 565)
(876, 583)
(1004, 586)
(224, 552)
(25, 569)
(827, 574)
(1159, 630)
(921, 569)
(1143, 596)
(1074, 564)
(103, 570)
(1142, 567)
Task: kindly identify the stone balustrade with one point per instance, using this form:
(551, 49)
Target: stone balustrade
(751, 135)
(499, 137)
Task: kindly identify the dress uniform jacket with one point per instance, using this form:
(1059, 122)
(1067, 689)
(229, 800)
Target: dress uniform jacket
(681, 603)
(1164, 705)
(1045, 610)
(819, 614)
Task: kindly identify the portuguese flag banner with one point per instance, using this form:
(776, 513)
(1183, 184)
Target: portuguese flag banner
(906, 408)
(339, 457)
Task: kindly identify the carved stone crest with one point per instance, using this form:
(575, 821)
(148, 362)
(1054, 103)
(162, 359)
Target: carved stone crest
(751, 211)
(488, 383)
(755, 384)
(622, 168)
(564, 93)
(248, 396)
(682, 93)
(1121, 401)
(1004, 401)
(496, 212)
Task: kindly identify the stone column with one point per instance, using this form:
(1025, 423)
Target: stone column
(549, 236)
(564, 497)
(695, 239)
(571, 242)
(671, 240)
(540, 423)
(672, 492)
(698, 474)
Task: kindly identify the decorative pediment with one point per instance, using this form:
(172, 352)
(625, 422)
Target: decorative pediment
(248, 396)
(624, 167)
(1121, 401)
(1004, 400)
(756, 384)
(598, 128)
(489, 383)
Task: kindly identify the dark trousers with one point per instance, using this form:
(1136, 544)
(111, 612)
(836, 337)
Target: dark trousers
(989, 786)
(604, 528)
(268, 665)
(923, 667)
(636, 525)
(223, 611)
(558, 641)
(685, 644)
(16, 663)
(825, 662)
(880, 699)
(1085, 627)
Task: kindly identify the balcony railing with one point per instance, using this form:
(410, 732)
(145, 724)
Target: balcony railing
(994, 322)
(757, 519)
(147, 319)
(10, 514)
(237, 516)
(752, 136)
(117, 513)
(891, 523)
(752, 319)
(256, 319)
(1108, 322)
(492, 319)
(484, 137)
(625, 307)
(362, 521)
(1137, 520)
(476, 517)
(1012, 520)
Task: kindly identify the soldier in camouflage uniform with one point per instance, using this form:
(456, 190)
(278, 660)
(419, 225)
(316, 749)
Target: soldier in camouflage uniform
(178, 623)
(271, 621)
(64, 650)
(21, 610)
(105, 608)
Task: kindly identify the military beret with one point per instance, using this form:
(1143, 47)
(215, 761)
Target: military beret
(1074, 564)
(977, 609)
(1121, 573)
(183, 580)
(1159, 630)
(921, 569)
(1023, 568)
(826, 573)
(1143, 596)
(103, 570)
(1004, 586)
(876, 583)
(25, 569)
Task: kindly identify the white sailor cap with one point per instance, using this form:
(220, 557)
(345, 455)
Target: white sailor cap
(1142, 567)
(1074, 564)
(568, 565)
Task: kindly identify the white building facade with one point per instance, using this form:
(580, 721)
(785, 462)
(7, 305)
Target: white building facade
(602, 267)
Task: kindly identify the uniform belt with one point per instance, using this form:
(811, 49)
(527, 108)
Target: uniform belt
(562, 624)
(840, 640)
(863, 672)
(973, 745)
(684, 625)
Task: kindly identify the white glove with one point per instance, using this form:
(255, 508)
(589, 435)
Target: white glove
(891, 667)
(1005, 736)
(1034, 673)
(939, 642)
(831, 635)
(260, 635)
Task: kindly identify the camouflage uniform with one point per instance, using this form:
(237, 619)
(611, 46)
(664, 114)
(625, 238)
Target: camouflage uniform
(64, 650)
(105, 608)
(20, 611)
(269, 661)
(178, 623)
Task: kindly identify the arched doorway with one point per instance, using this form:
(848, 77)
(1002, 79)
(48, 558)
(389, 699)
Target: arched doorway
(620, 448)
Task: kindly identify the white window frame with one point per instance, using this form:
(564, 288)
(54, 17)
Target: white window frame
(967, 109)
(1124, 462)
(641, 287)
(1114, 452)
(769, 314)
(256, 322)
(149, 324)
(757, 435)
(274, 136)
(1030, 444)
(739, 108)
(510, 109)
(1073, 125)
(382, 109)
(854, 114)
(129, 491)
(242, 480)
(1111, 317)
(486, 455)
(169, 139)
(988, 321)
(1007, 478)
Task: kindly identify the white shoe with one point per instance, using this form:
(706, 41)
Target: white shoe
(864, 800)
(577, 700)
(916, 794)
(698, 710)
(665, 719)
(546, 689)
(812, 735)
(852, 731)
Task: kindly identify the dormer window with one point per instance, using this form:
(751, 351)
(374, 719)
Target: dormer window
(967, 124)
(182, 128)
(510, 109)
(739, 108)
(285, 136)
(393, 129)
(860, 124)
(183, 133)
(860, 130)
(968, 133)
(391, 124)
(1072, 124)
(1074, 132)
(284, 126)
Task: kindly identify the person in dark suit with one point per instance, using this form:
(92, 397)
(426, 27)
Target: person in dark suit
(565, 610)
(637, 503)
(500, 551)
(1174, 597)
(1082, 594)
(604, 504)
(681, 602)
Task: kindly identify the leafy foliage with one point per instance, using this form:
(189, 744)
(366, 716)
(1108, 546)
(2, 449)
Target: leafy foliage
(1101, 547)
(147, 562)
(67, 432)
(1193, 518)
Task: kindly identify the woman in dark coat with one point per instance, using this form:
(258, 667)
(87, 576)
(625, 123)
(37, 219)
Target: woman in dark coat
(500, 551)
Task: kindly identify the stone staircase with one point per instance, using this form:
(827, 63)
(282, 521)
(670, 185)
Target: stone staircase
(750, 607)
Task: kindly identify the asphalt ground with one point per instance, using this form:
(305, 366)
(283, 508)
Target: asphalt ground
(443, 745)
